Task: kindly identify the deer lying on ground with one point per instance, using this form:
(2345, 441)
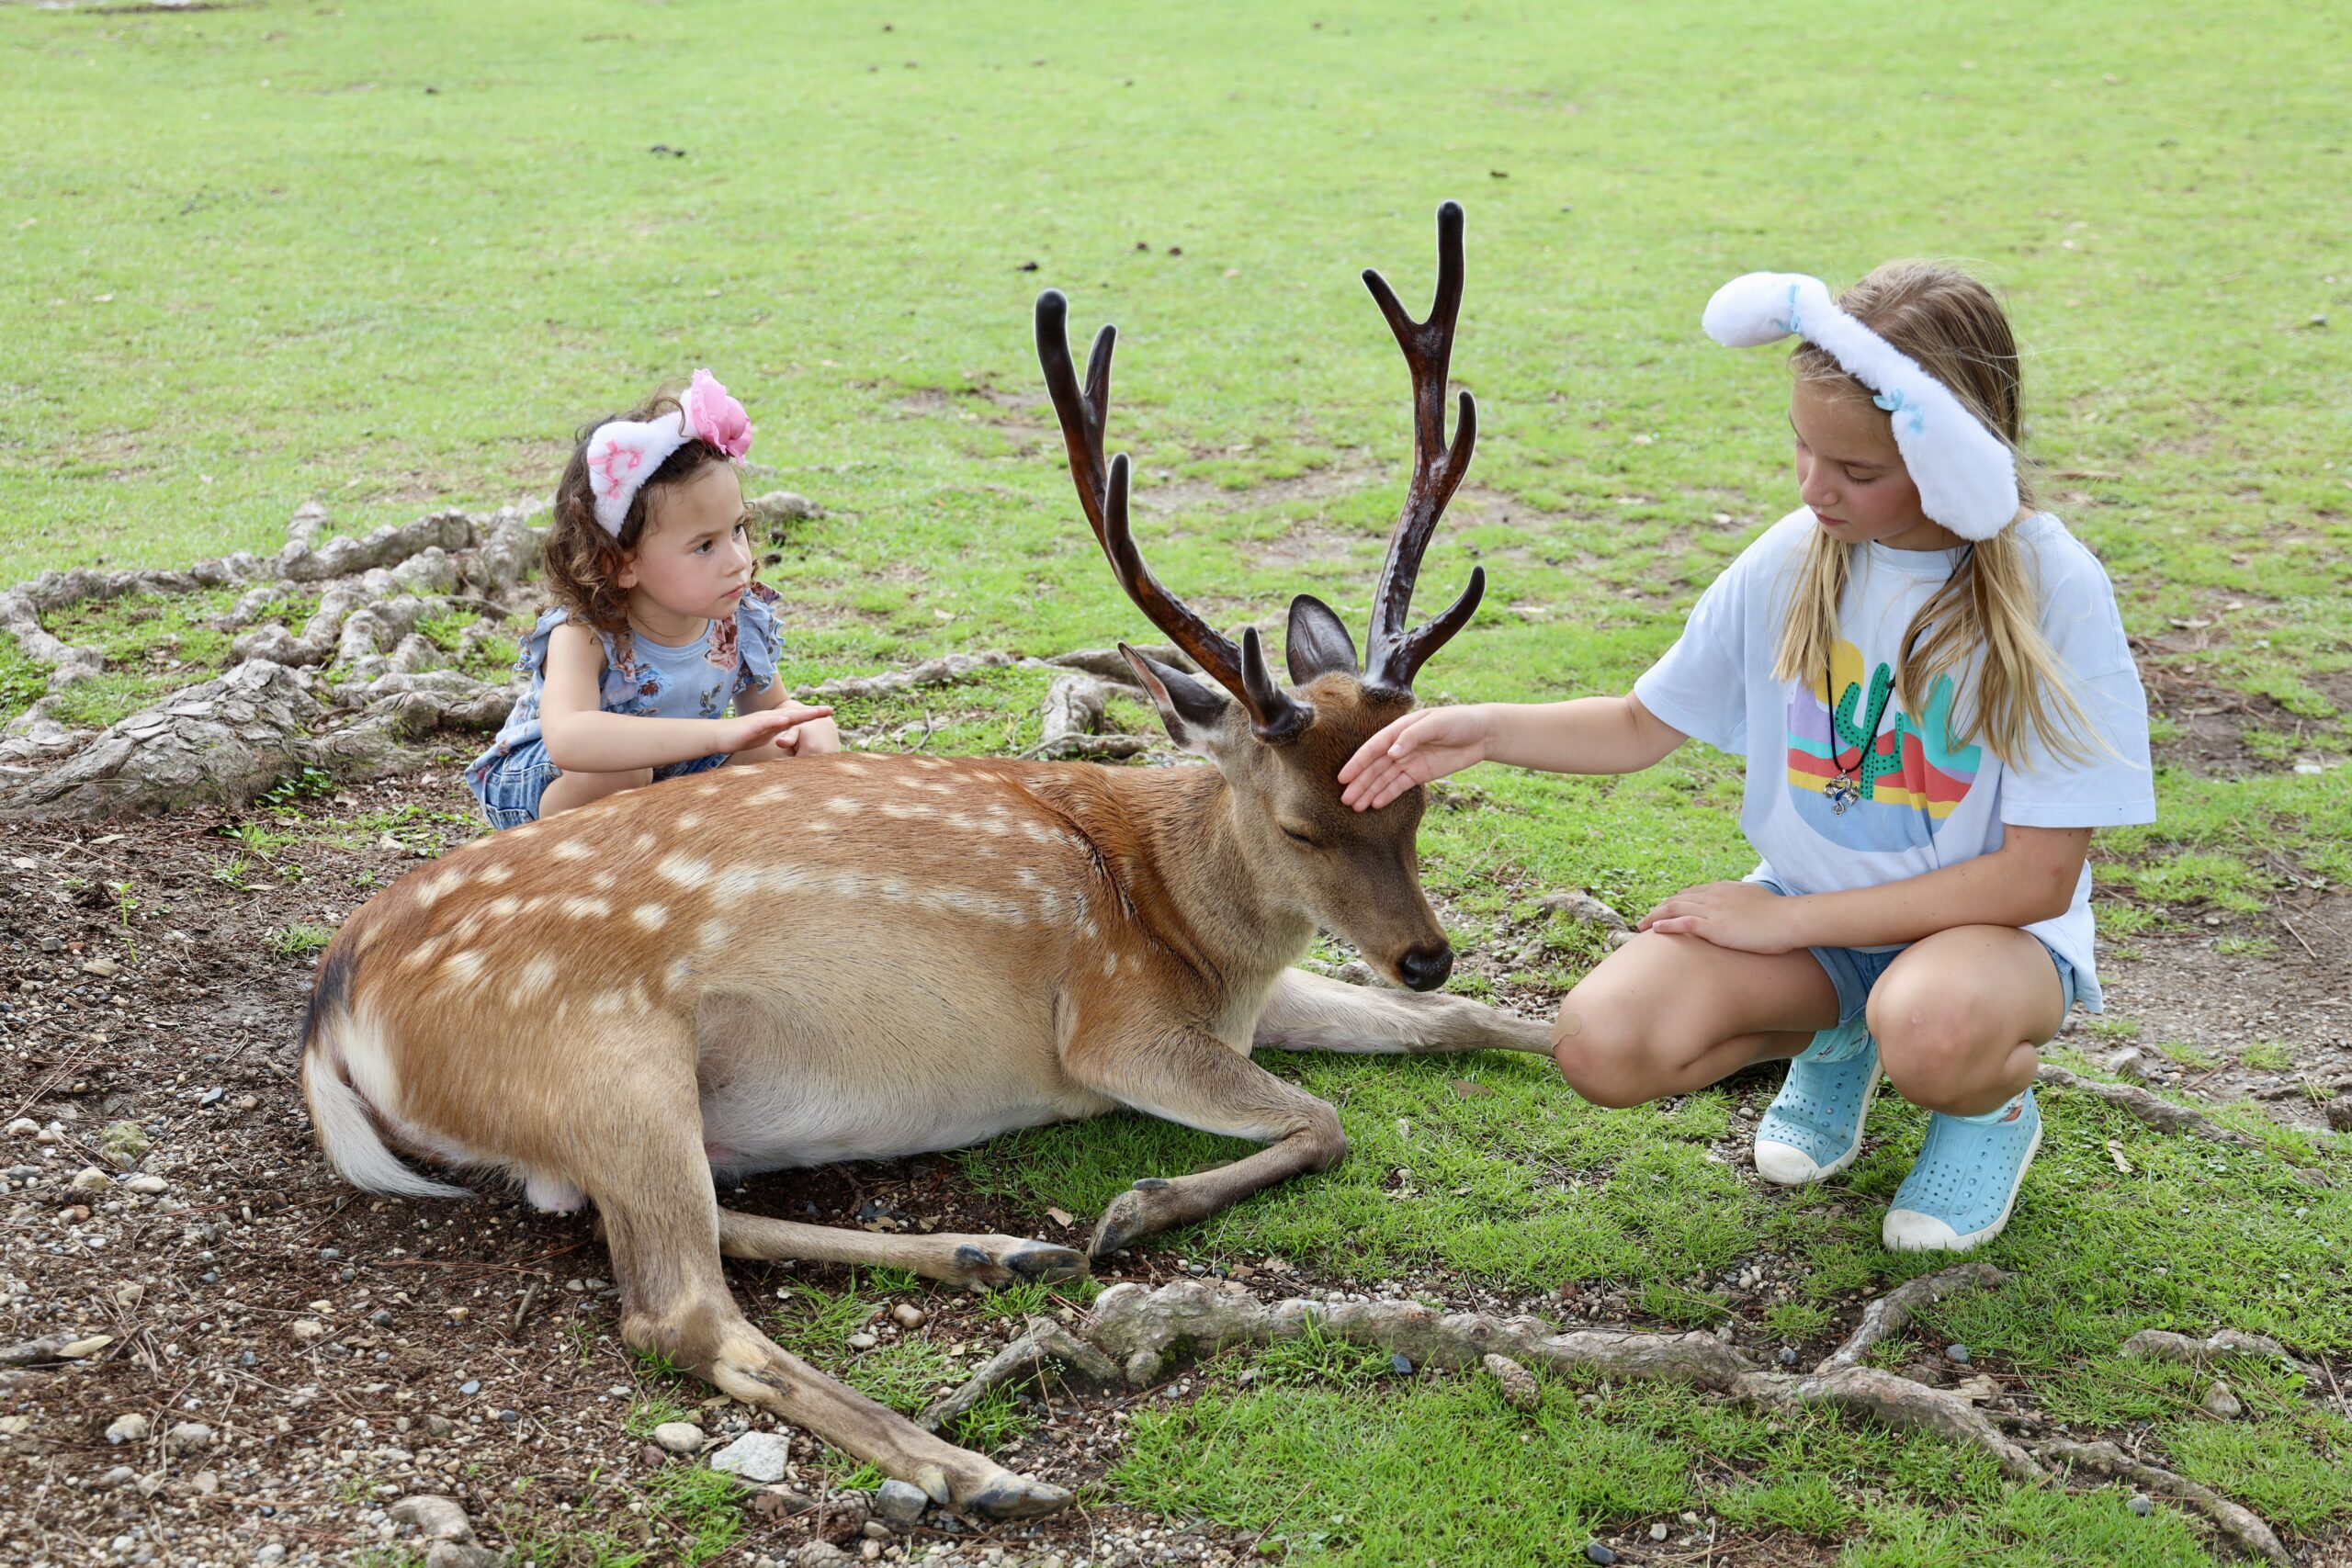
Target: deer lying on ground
(615, 1003)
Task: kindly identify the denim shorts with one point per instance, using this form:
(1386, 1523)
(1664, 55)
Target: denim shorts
(509, 794)
(1854, 970)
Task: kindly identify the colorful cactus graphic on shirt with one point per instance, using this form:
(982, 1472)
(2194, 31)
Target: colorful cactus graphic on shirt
(1912, 771)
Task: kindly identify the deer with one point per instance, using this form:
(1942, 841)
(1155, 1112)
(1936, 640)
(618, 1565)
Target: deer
(634, 1002)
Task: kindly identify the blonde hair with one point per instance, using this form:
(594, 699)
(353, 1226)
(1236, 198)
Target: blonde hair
(1951, 324)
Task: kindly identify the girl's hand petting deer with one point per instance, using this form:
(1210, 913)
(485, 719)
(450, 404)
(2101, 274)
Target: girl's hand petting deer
(658, 628)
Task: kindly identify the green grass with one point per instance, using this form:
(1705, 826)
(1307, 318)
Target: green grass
(390, 256)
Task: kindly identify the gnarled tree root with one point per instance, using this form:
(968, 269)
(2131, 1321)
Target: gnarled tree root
(1133, 1330)
(2161, 1114)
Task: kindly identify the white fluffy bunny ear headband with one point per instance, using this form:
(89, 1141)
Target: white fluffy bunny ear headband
(1967, 475)
(623, 454)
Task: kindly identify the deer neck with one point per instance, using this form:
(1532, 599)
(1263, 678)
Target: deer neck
(1169, 838)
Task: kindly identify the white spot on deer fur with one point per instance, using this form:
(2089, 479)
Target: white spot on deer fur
(960, 822)
(1038, 831)
(790, 879)
(536, 977)
(716, 932)
(928, 764)
(689, 819)
(1110, 964)
(602, 881)
(996, 827)
(1090, 930)
(573, 848)
(683, 870)
(848, 884)
(431, 887)
(1049, 906)
(954, 899)
(421, 954)
(581, 908)
(844, 803)
(708, 789)
(645, 841)
(606, 1003)
(497, 875)
(894, 890)
(652, 917)
(769, 795)
(734, 882)
(678, 974)
(462, 968)
(503, 907)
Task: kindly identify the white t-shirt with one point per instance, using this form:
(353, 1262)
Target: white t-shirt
(1920, 800)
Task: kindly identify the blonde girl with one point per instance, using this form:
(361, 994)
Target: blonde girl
(657, 630)
(1931, 683)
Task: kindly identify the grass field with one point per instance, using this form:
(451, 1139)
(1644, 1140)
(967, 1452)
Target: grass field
(389, 257)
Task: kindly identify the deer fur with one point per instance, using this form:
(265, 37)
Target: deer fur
(864, 957)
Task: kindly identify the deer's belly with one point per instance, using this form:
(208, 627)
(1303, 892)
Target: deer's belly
(788, 1123)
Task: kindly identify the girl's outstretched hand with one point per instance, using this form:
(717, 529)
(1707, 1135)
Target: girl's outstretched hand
(1415, 750)
(1738, 915)
(754, 730)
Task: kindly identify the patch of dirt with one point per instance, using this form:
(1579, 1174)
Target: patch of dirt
(345, 1349)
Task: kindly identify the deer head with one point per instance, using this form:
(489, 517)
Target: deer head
(1280, 745)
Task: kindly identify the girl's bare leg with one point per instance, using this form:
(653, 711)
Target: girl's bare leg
(579, 789)
(1959, 1015)
(1669, 1014)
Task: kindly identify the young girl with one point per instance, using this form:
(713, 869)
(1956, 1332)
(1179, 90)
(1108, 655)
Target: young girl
(1930, 682)
(658, 627)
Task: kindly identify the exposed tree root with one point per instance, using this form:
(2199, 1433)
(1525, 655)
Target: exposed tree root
(2161, 1114)
(2160, 1345)
(1134, 1331)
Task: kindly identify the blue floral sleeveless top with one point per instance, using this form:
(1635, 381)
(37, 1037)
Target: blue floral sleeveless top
(696, 680)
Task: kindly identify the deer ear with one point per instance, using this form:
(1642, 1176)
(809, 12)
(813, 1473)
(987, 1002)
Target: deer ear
(1317, 641)
(1189, 711)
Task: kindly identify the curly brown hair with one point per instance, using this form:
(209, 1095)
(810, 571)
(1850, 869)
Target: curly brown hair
(582, 559)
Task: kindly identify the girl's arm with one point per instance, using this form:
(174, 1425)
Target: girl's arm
(1589, 735)
(808, 733)
(2030, 877)
(581, 737)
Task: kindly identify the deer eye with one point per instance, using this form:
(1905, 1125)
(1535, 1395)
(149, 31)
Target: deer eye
(1296, 837)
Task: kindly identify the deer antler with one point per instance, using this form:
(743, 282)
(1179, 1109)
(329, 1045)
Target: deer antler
(1103, 492)
(1393, 655)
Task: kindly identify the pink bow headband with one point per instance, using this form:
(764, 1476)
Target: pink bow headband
(623, 454)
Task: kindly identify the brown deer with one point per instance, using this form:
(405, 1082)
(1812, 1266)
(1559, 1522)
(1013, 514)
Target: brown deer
(863, 958)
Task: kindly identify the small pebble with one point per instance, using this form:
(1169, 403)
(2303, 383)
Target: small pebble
(1788, 1355)
(863, 1341)
(2142, 1507)
(900, 1502)
(1401, 1364)
(148, 1186)
(1596, 1552)
(1657, 1532)
(909, 1315)
(89, 1178)
(127, 1429)
(678, 1437)
(1958, 1353)
(471, 1385)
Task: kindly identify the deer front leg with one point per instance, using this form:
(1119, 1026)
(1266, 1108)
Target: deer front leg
(1198, 1080)
(957, 1259)
(1313, 1012)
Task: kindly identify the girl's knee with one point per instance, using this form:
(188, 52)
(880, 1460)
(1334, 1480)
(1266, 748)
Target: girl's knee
(1938, 1042)
(1603, 1052)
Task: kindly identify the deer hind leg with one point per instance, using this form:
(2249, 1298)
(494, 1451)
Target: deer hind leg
(958, 1259)
(662, 1223)
(1312, 1012)
(1198, 1080)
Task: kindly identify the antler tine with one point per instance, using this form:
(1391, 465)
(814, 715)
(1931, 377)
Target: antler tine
(1102, 492)
(1392, 656)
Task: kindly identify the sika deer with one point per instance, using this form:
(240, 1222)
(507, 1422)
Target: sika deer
(614, 1003)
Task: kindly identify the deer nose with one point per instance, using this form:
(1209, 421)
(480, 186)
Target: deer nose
(1425, 968)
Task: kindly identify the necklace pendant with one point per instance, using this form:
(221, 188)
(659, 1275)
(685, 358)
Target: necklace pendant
(1843, 793)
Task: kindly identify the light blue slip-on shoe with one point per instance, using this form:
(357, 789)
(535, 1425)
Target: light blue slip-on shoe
(1965, 1184)
(1814, 1129)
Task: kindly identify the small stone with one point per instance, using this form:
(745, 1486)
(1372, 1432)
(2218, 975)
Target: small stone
(461, 1554)
(678, 1437)
(306, 1328)
(1788, 1355)
(206, 1482)
(1596, 1552)
(188, 1435)
(268, 1554)
(909, 1315)
(2223, 1401)
(1520, 1391)
(2129, 1063)
(90, 1178)
(1657, 1532)
(435, 1518)
(2339, 1113)
(124, 1143)
(819, 1554)
(1958, 1353)
(1142, 1368)
(127, 1429)
(2142, 1507)
(120, 1475)
(900, 1502)
(102, 968)
(148, 1186)
(439, 1425)
(861, 1341)
(874, 1529)
(1401, 1364)
(755, 1456)
(471, 1385)
(210, 1097)
(24, 1127)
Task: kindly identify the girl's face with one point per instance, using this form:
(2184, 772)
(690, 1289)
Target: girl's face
(1851, 474)
(694, 559)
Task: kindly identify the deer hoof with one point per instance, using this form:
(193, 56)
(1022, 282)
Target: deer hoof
(1010, 1496)
(1129, 1216)
(1015, 1261)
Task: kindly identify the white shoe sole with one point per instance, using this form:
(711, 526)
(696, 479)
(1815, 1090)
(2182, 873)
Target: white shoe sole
(1784, 1165)
(1908, 1230)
